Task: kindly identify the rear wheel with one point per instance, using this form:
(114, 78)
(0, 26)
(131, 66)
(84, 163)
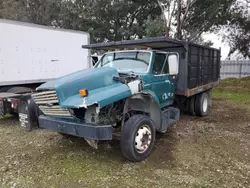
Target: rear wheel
(191, 106)
(17, 90)
(138, 137)
(202, 104)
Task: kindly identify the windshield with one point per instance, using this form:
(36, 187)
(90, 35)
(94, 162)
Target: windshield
(136, 61)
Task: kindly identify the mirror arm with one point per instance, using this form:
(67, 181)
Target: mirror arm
(165, 62)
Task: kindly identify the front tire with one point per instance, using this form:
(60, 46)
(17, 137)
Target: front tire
(137, 138)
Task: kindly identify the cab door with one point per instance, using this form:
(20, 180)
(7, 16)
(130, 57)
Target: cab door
(162, 82)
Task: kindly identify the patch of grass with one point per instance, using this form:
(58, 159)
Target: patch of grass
(234, 85)
(237, 99)
(234, 90)
(5, 116)
(198, 152)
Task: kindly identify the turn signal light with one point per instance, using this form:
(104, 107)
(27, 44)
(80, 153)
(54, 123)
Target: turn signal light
(83, 92)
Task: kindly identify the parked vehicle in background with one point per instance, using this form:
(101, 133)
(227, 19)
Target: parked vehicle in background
(131, 94)
(33, 54)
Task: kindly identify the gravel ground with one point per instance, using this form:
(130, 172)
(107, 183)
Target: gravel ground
(196, 152)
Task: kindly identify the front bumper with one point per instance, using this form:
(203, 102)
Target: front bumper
(71, 127)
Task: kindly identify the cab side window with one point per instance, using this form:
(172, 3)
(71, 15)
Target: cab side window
(160, 64)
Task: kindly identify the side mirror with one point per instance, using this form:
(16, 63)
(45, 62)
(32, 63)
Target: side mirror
(173, 62)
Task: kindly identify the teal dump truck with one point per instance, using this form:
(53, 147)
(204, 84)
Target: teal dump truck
(136, 89)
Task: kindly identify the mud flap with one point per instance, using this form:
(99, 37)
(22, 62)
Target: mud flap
(27, 118)
(1, 108)
(23, 114)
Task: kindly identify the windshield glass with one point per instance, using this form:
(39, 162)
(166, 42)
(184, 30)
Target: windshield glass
(136, 61)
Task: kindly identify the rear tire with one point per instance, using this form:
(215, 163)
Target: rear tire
(202, 105)
(16, 90)
(137, 138)
(191, 106)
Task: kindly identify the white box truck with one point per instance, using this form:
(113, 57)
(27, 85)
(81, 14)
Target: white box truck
(32, 54)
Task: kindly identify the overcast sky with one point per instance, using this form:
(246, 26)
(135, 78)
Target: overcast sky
(217, 40)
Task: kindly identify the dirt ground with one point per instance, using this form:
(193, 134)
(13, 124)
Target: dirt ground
(196, 152)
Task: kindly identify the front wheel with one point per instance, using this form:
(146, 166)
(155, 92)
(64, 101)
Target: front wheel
(138, 137)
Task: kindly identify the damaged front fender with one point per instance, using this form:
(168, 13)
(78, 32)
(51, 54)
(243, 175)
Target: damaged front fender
(101, 96)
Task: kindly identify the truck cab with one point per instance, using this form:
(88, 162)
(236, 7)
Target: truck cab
(129, 95)
(158, 71)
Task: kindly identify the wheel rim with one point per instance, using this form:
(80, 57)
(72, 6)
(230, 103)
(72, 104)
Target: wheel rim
(143, 139)
(205, 104)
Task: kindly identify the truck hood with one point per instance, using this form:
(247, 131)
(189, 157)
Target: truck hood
(102, 88)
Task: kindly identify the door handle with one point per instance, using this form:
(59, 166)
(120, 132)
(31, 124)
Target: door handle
(147, 85)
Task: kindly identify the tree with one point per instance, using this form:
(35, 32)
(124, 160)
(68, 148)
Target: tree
(168, 10)
(43, 12)
(191, 18)
(175, 13)
(120, 20)
(183, 9)
(154, 27)
(108, 20)
(34, 11)
(13, 9)
(103, 19)
(237, 32)
(207, 16)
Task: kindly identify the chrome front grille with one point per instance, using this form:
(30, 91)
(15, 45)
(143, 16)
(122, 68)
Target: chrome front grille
(49, 105)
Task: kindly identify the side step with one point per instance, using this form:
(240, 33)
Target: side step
(169, 117)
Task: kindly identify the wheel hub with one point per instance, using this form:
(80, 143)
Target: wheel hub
(143, 139)
(205, 105)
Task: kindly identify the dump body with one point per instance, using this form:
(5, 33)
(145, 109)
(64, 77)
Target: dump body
(32, 53)
(199, 68)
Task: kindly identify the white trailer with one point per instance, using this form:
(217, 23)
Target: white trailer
(32, 54)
